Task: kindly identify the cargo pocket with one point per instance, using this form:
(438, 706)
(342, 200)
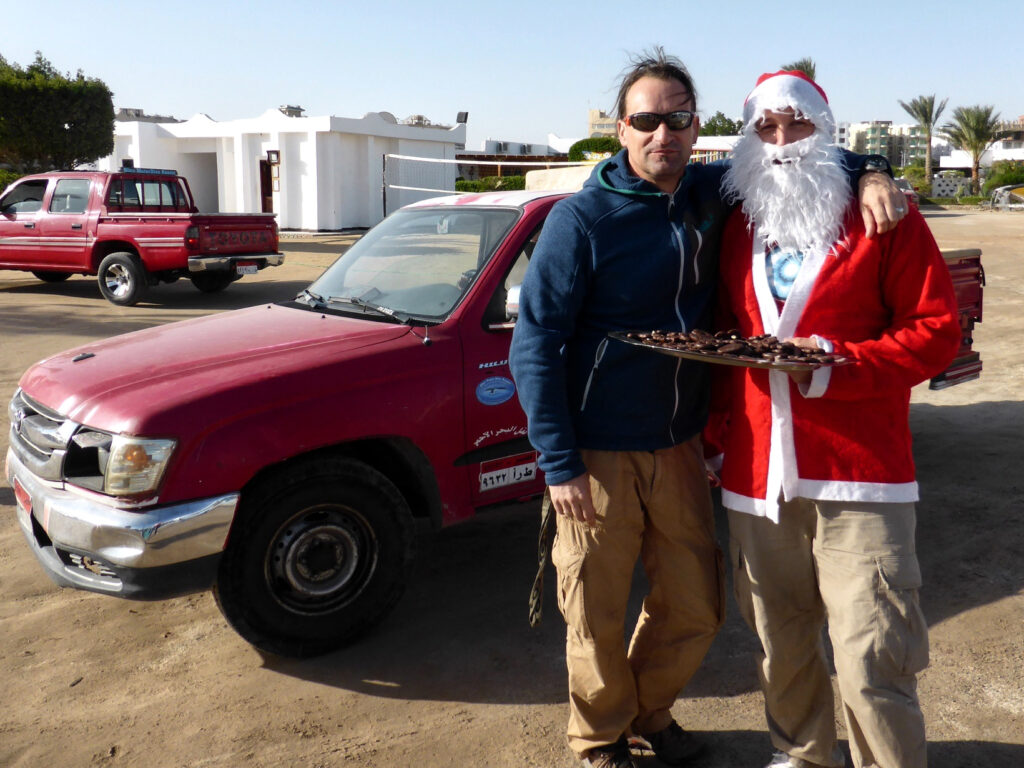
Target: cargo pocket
(568, 558)
(902, 635)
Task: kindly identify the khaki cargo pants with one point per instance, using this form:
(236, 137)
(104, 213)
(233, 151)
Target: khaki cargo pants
(655, 506)
(855, 565)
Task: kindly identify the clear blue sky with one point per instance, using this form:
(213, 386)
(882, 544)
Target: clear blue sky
(522, 68)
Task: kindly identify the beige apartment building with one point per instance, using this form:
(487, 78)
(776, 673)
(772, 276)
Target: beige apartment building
(901, 144)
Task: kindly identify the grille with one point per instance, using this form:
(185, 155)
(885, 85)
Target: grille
(55, 448)
(39, 436)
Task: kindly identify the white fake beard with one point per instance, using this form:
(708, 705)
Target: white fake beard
(796, 194)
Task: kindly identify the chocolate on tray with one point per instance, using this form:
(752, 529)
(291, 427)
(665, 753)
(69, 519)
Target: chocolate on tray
(732, 344)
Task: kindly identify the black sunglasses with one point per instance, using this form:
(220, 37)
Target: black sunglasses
(648, 122)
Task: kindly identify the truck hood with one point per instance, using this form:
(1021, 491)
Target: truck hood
(107, 384)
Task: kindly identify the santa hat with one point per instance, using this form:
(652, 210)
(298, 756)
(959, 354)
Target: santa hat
(788, 89)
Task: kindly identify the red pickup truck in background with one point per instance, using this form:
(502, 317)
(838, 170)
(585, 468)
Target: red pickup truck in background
(131, 229)
(286, 460)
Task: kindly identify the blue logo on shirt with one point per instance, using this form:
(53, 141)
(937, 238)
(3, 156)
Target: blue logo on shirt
(783, 267)
(495, 390)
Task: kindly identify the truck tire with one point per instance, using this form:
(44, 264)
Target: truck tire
(211, 282)
(122, 279)
(319, 553)
(52, 277)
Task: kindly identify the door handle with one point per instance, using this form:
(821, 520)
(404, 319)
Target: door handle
(30, 226)
(76, 226)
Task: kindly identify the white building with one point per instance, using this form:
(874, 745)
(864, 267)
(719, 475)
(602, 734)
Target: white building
(315, 173)
(1009, 149)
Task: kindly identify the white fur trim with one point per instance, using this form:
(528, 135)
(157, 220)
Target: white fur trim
(845, 490)
(818, 385)
(783, 91)
(714, 463)
(783, 473)
(740, 503)
(828, 490)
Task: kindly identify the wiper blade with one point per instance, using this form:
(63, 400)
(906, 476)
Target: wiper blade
(315, 299)
(401, 317)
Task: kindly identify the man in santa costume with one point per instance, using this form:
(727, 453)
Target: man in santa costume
(818, 476)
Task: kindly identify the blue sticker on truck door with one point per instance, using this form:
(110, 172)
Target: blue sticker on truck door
(495, 390)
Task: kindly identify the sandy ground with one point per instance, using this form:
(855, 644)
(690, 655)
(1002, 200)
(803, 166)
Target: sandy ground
(455, 676)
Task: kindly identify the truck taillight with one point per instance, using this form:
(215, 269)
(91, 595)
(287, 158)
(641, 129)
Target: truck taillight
(192, 238)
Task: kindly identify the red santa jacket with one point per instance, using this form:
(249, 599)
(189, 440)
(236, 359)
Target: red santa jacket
(886, 303)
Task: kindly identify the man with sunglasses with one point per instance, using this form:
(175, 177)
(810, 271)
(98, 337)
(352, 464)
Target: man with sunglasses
(618, 428)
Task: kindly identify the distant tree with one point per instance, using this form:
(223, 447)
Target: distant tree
(973, 129)
(923, 110)
(49, 120)
(806, 66)
(595, 145)
(720, 125)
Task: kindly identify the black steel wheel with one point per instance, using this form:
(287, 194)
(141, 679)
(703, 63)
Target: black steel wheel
(212, 282)
(122, 279)
(319, 553)
(52, 277)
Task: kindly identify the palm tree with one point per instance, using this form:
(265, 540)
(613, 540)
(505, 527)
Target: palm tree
(803, 65)
(973, 129)
(923, 110)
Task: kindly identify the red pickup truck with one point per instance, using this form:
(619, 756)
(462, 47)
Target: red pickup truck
(286, 460)
(131, 229)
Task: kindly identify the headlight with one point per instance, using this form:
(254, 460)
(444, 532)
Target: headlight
(135, 465)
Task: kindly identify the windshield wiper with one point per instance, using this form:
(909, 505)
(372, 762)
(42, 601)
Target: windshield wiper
(358, 301)
(315, 299)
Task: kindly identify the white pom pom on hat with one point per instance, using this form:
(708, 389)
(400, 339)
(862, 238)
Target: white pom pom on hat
(788, 89)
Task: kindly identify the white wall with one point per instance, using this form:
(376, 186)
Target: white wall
(960, 158)
(330, 168)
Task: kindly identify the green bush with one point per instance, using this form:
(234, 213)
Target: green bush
(596, 145)
(1003, 173)
(491, 184)
(915, 175)
(8, 177)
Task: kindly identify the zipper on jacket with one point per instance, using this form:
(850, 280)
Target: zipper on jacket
(681, 244)
(593, 371)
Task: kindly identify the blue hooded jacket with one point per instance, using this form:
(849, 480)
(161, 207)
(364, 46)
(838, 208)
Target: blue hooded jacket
(619, 255)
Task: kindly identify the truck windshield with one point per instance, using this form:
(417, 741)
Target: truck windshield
(417, 263)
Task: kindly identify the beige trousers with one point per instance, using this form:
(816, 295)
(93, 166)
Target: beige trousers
(854, 565)
(655, 506)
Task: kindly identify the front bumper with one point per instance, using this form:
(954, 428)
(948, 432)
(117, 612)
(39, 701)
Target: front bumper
(224, 263)
(146, 554)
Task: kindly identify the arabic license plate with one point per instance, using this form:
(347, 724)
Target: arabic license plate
(508, 471)
(246, 268)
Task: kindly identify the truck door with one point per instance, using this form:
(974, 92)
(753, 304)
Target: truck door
(62, 229)
(501, 461)
(20, 211)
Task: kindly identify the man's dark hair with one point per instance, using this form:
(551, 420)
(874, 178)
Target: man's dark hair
(654, 63)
